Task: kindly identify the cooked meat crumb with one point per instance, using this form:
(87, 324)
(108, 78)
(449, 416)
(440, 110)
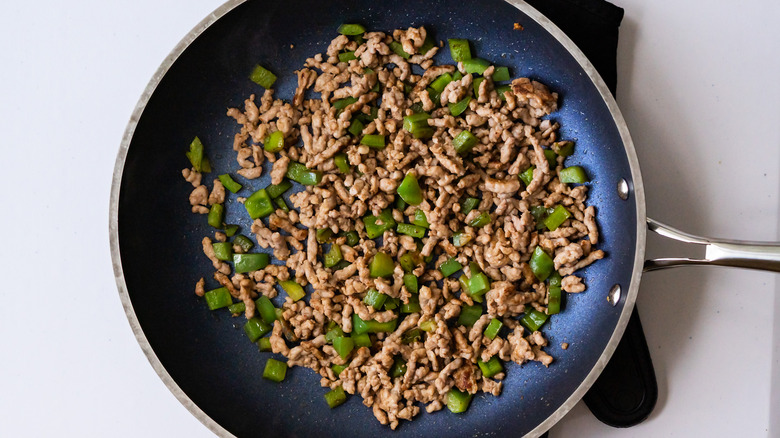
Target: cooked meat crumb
(496, 238)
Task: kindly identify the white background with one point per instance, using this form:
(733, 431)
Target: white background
(698, 85)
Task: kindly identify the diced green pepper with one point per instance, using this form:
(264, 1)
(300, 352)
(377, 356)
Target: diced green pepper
(237, 308)
(469, 315)
(450, 267)
(256, 328)
(459, 107)
(355, 128)
(573, 174)
(244, 242)
(533, 319)
(347, 56)
(333, 257)
(343, 103)
(417, 125)
(459, 49)
(381, 265)
(461, 238)
(501, 74)
(276, 190)
(399, 367)
(266, 309)
(541, 264)
(564, 148)
(351, 29)
(250, 262)
(337, 369)
(409, 261)
(341, 162)
(398, 49)
(413, 306)
(502, 90)
(420, 219)
(361, 340)
(528, 175)
(293, 289)
(262, 77)
(491, 367)
(374, 141)
(281, 204)
(264, 344)
(410, 281)
(479, 284)
(335, 397)
(334, 331)
(301, 174)
(400, 204)
(428, 326)
(411, 336)
(552, 158)
(275, 370)
(376, 225)
(411, 230)
(343, 346)
(475, 65)
(375, 299)
(441, 82)
(230, 230)
(196, 156)
(554, 279)
(464, 142)
(468, 205)
(475, 84)
(557, 217)
(458, 401)
(223, 250)
(491, 331)
(218, 298)
(259, 204)
(409, 190)
(274, 142)
(480, 220)
(553, 300)
(323, 235)
(352, 237)
(360, 326)
(428, 44)
(216, 215)
(392, 303)
(229, 183)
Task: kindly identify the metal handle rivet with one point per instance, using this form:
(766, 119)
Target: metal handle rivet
(622, 189)
(614, 295)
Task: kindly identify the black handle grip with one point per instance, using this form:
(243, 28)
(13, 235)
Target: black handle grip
(626, 392)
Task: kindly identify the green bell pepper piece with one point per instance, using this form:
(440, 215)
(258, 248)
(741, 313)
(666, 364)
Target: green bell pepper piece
(250, 262)
(409, 190)
(262, 77)
(381, 265)
(229, 183)
(275, 370)
(541, 264)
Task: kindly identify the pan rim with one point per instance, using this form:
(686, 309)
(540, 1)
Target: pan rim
(636, 188)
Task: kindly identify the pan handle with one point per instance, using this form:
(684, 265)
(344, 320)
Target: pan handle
(763, 256)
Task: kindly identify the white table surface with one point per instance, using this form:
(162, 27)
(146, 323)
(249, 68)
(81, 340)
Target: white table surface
(698, 86)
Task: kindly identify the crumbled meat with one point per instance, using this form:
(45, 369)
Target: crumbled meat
(380, 88)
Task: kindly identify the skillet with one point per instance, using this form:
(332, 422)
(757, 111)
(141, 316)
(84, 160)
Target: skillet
(204, 358)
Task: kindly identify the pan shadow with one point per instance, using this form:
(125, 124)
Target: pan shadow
(668, 312)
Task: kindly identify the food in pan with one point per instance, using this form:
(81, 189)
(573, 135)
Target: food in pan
(437, 227)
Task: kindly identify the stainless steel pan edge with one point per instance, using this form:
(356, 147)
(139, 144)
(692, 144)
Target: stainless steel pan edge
(636, 189)
(113, 218)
